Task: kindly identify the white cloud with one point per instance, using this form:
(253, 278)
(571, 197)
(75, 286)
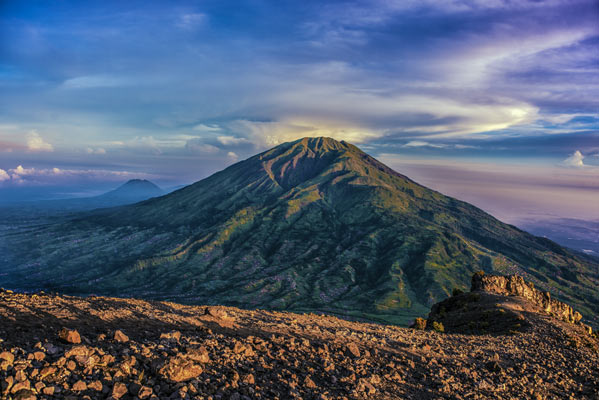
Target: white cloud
(575, 160)
(231, 140)
(233, 156)
(34, 176)
(196, 146)
(36, 143)
(4, 175)
(206, 128)
(419, 143)
(98, 150)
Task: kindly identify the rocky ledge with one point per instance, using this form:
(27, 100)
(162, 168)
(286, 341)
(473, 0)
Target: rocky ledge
(94, 348)
(514, 285)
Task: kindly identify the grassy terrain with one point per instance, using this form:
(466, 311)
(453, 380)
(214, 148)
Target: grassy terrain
(312, 225)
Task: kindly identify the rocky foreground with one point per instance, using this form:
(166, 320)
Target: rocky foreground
(67, 347)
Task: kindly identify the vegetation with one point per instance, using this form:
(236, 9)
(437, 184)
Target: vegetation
(312, 225)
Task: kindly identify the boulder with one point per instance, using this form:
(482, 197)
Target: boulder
(69, 336)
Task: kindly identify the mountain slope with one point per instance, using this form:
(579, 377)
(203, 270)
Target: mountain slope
(310, 225)
(167, 350)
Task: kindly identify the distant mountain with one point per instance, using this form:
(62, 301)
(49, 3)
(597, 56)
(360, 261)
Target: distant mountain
(131, 192)
(311, 225)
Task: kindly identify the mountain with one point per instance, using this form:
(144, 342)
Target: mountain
(132, 191)
(64, 347)
(312, 225)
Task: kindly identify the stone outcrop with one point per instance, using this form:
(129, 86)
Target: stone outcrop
(514, 285)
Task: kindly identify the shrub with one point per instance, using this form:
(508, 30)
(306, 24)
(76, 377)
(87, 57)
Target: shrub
(457, 292)
(438, 326)
(419, 323)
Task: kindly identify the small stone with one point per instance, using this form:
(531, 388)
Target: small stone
(249, 379)
(145, 392)
(178, 369)
(79, 386)
(78, 351)
(48, 390)
(353, 349)
(20, 386)
(309, 383)
(174, 335)
(39, 355)
(120, 337)
(119, 390)
(51, 349)
(25, 394)
(8, 357)
(69, 336)
(95, 385)
(199, 355)
(47, 371)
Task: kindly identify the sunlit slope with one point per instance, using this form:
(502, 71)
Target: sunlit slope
(311, 225)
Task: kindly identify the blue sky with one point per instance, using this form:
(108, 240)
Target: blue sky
(96, 92)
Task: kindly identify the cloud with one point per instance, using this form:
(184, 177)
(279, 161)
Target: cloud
(98, 150)
(191, 20)
(51, 176)
(419, 143)
(231, 140)
(197, 146)
(575, 160)
(95, 81)
(206, 128)
(35, 143)
(233, 156)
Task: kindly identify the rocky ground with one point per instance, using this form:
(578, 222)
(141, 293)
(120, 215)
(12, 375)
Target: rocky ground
(89, 348)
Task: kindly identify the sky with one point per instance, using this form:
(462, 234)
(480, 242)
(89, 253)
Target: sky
(494, 102)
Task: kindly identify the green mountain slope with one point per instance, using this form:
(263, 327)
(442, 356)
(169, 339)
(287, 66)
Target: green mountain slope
(311, 225)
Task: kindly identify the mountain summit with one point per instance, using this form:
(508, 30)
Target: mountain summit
(310, 225)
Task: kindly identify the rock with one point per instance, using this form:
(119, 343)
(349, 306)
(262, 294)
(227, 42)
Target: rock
(69, 336)
(78, 351)
(174, 335)
(216, 312)
(7, 384)
(47, 371)
(419, 323)
(20, 386)
(309, 383)
(119, 390)
(353, 349)
(8, 357)
(51, 349)
(145, 392)
(198, 354)
(25, 394)
(79, 386)
(248, 379)
(179, 369)
(95, 385)
(120, 337)
(48, 390)
(39, 355)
